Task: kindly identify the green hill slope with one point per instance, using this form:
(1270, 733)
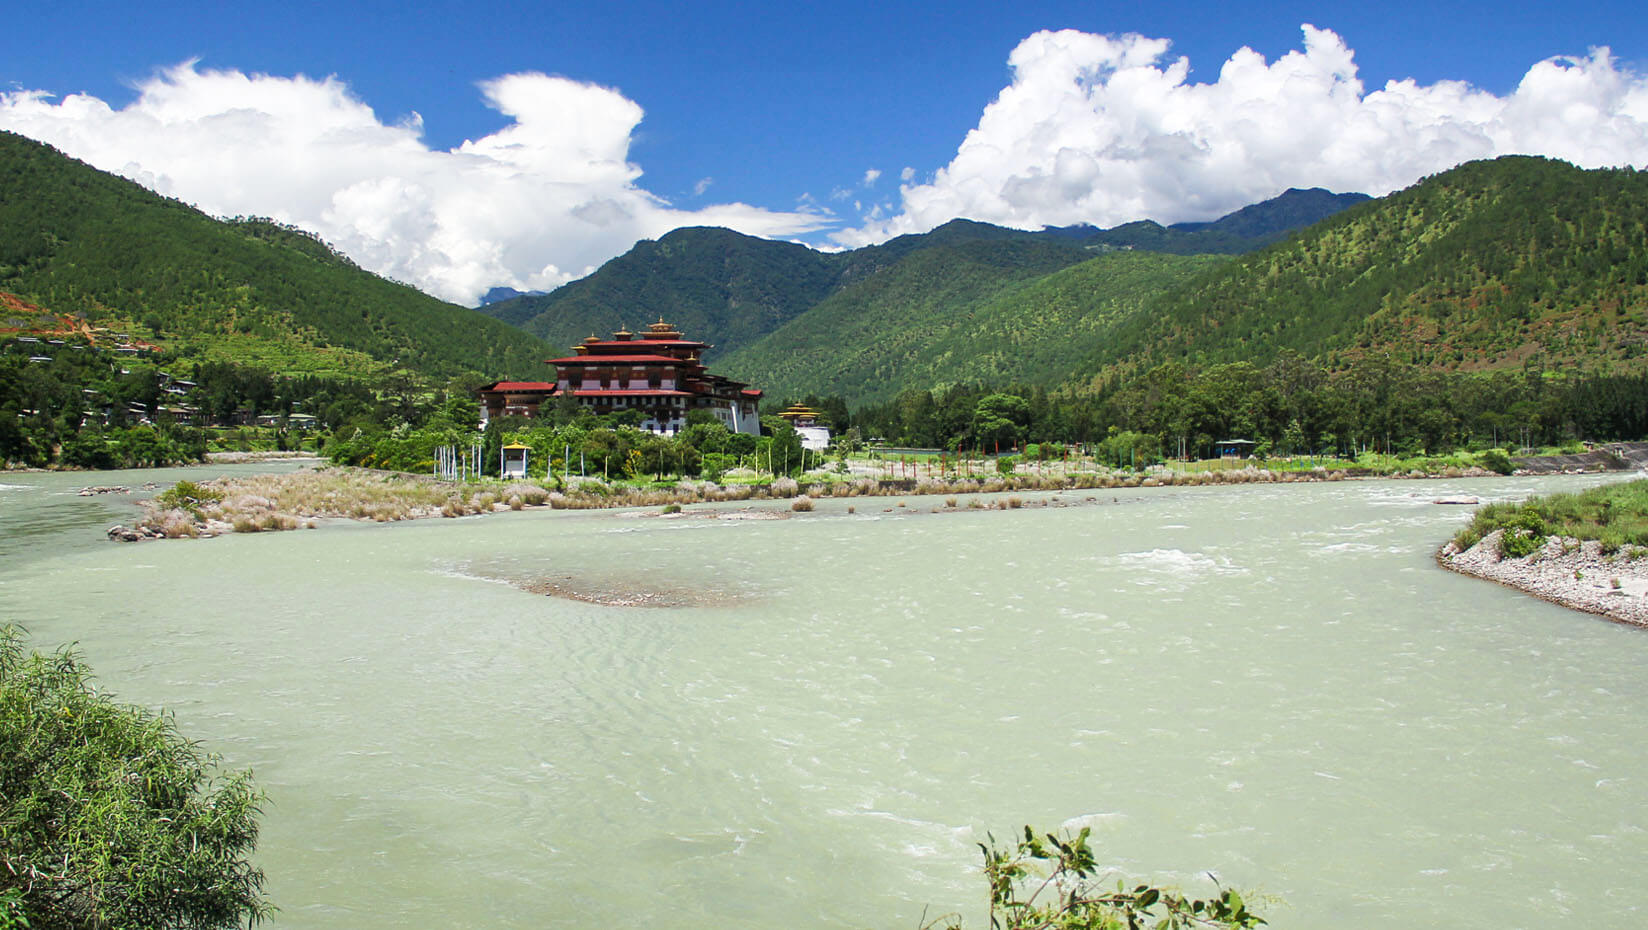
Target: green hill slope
(78, 241)
(990, 310)
(1489, 265)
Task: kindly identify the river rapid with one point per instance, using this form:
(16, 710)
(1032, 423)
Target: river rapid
(1273, 683)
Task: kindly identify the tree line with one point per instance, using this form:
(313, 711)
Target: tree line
(1292, 405)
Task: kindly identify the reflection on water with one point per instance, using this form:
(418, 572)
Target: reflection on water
(1272, 683)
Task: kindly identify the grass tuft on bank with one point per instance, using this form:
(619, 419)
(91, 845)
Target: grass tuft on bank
(1614, 515)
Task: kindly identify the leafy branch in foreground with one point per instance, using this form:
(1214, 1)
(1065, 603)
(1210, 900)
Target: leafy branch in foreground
(1051, 884)
(108, 817)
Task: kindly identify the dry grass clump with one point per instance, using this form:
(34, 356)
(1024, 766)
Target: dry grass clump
(530, 495)
(175, 523)
(269, 522)
(783, 487)
(802, 504)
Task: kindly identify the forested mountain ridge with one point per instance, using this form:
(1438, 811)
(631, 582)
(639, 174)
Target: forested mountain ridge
(732, 290)
(715, 285)
(1493, 264)
(76, 240)
(1250, 228)
(869, 339)
(973, 312)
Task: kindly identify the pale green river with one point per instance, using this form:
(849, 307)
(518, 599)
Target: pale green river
(1271, 683)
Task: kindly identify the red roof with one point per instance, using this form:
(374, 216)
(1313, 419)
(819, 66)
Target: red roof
(608, 359)
(521, 386)
(614, 392)
(752, 392)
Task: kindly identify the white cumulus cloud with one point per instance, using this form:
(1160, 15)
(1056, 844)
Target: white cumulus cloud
(1108, 129)
(540, 202)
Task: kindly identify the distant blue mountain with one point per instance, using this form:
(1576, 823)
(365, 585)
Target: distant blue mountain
(506, 293)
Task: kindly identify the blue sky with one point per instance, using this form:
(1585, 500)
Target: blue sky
(784, 108)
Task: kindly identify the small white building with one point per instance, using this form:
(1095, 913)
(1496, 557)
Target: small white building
(815, 437)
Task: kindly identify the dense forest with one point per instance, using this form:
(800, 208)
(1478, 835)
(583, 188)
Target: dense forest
(970, 312)
(1291, 406)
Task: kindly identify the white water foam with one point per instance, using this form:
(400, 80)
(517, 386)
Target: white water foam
(1179, 563)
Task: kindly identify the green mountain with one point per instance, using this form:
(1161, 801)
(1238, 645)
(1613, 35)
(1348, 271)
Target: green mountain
(979, 311)
(1493, 264)
(75, 240)
(732, 290)
(1249, 228)
(714, 284)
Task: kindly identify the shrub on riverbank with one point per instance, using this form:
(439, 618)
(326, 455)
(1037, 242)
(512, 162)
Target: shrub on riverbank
(1615, 515)
(113, 819)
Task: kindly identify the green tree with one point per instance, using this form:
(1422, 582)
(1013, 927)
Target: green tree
(108, 817)
(784, 452)
(998, 420)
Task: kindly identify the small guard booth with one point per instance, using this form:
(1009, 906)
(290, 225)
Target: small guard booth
(512, 460)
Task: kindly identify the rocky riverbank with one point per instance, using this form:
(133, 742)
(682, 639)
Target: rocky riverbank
(1564, 571)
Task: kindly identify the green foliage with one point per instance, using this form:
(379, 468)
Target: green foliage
(186, 495)
(108, 817)
(998, 420)
(1615, 514)
(783, 452)
(1049, 883)
(716, 464)
(1495, 460)
(1128, 449)
(1524, 535)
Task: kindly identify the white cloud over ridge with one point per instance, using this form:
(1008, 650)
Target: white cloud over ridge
(1106, 130)
(1095, 129)
(540, 202)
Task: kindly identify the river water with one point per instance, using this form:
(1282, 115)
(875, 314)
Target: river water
(1271, 683)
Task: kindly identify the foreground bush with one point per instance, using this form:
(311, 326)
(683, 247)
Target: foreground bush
(1046, 882)
(108, 817)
